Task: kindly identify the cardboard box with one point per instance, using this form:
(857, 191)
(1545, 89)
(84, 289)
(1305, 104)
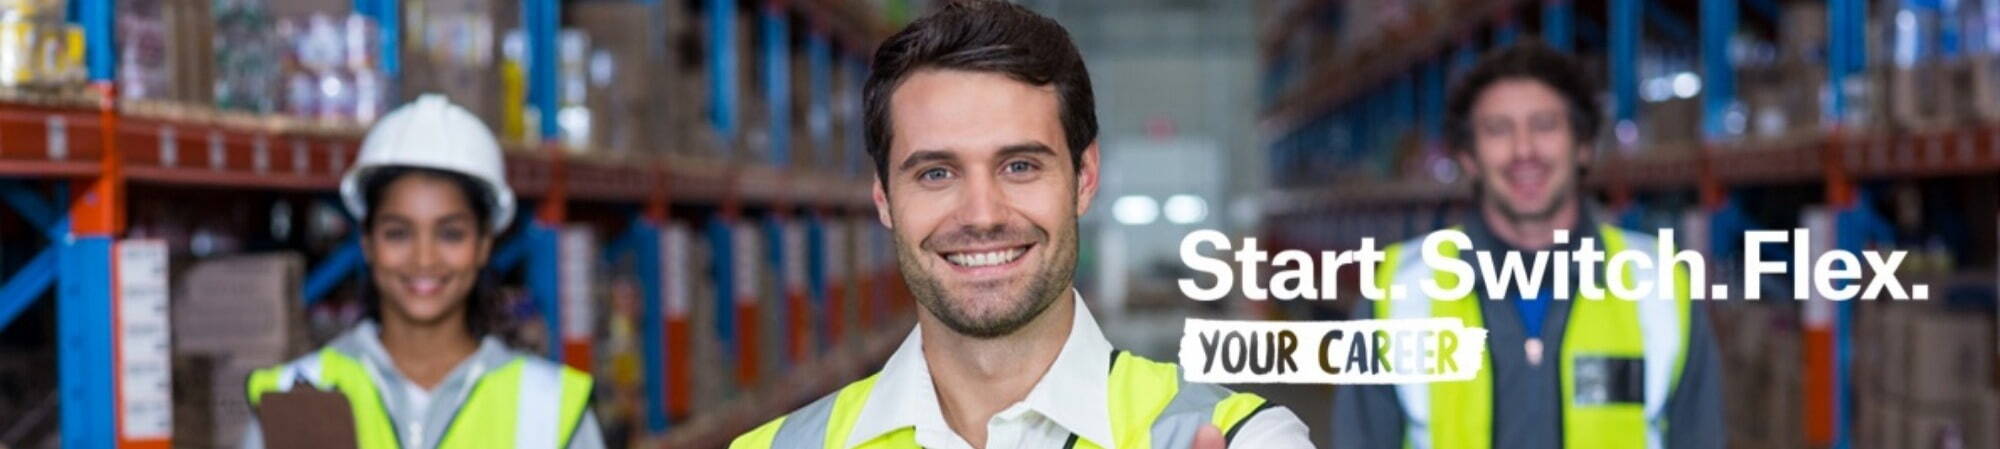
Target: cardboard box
(1802, 30)
(1924, 97)
(628, 109)
(210, 407)
(1983, 77)
(1934, 428)
(1950, 355)
(1671, 125)
(457, 52)
(241, 306)
(1881, 350)
(1879, 422)
(1783, 102)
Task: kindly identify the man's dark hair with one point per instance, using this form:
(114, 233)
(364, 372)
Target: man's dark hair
(1532, 60)
(982, 36)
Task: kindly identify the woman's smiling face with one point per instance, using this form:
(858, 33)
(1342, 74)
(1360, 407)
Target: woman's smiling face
(425, 247)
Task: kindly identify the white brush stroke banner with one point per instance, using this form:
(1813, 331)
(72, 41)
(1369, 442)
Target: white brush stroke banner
(1387, 351)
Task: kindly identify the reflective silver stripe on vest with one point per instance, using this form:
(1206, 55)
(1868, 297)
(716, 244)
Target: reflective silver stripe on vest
(535, 421)
(807, 427)
(1410, 273)
(1665, 339)
(305, 367)
(1193, 406)
(1659, 319)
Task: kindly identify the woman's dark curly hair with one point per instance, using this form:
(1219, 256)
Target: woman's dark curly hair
(483, 312)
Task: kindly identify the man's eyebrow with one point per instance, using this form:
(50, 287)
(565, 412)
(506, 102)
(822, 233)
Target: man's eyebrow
(923, 156)
(1025, 148)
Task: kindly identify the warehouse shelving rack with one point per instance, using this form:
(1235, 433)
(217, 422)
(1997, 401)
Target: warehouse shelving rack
(67, 161)
(1837, 160)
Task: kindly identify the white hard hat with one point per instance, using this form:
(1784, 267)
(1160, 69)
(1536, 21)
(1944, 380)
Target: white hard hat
(432, 133)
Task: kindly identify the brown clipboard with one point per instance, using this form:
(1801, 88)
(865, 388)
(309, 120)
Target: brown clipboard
(306, 418)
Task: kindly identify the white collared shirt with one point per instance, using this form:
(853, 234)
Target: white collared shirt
(1070, 398)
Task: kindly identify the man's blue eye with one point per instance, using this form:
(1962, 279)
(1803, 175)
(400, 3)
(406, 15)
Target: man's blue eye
(933, 174)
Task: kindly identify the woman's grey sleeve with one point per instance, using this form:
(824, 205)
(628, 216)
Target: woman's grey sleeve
(588, 435)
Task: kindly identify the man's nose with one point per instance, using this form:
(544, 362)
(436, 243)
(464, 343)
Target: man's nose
(982, 204)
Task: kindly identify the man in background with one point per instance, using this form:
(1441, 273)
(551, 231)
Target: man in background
(1598, 371)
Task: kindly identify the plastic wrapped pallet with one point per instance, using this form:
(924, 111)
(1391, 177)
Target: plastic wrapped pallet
(629, 108)
(145, 69)
(232, 315)
(247, 55)
(1950, 354)
(1670, 125)
(1922, 98)
(454, 50)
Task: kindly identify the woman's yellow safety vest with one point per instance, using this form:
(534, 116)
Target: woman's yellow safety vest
(523, 404)
(1620, 357)
(1151, 407)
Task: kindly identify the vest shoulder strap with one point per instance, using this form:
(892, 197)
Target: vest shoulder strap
(1152, 406)
(827, 422)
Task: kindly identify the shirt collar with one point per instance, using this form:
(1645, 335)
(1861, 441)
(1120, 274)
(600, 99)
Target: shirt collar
(364, 343)
(905, 397)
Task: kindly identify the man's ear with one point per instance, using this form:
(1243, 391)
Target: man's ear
(882, 204)
(1585, 154)
(1467, 164)
(1086, 178)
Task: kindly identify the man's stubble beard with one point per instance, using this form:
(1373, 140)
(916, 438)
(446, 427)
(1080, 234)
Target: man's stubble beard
(1044, 287)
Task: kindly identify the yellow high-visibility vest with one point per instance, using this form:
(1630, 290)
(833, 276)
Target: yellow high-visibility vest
(1150, 407)
(523, 404)
(1613, 349)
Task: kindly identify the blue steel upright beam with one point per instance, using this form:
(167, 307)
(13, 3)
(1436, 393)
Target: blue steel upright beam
(544, 278)
(722, 67)
(777, 67)
(722, 271)
(1718, 79)
(816, 282)
(773, 230)
(1837, 65)
(642, 242)
(1557, 28)
(1624, 38)
(86, 368)
(99, 39)
(819, 120)
(543, 19)
(86, 365)
(388, 16)
(1434, 99)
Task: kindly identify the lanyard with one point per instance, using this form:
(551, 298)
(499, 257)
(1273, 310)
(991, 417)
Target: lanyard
(1533, 309)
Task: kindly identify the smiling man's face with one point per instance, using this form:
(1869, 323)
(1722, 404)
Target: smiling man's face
(982, 198)
(1525, 155)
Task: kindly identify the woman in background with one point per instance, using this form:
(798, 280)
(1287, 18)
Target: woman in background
(425, 370)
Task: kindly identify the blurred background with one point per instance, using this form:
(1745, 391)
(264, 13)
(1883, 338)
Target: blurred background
(697, 232)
